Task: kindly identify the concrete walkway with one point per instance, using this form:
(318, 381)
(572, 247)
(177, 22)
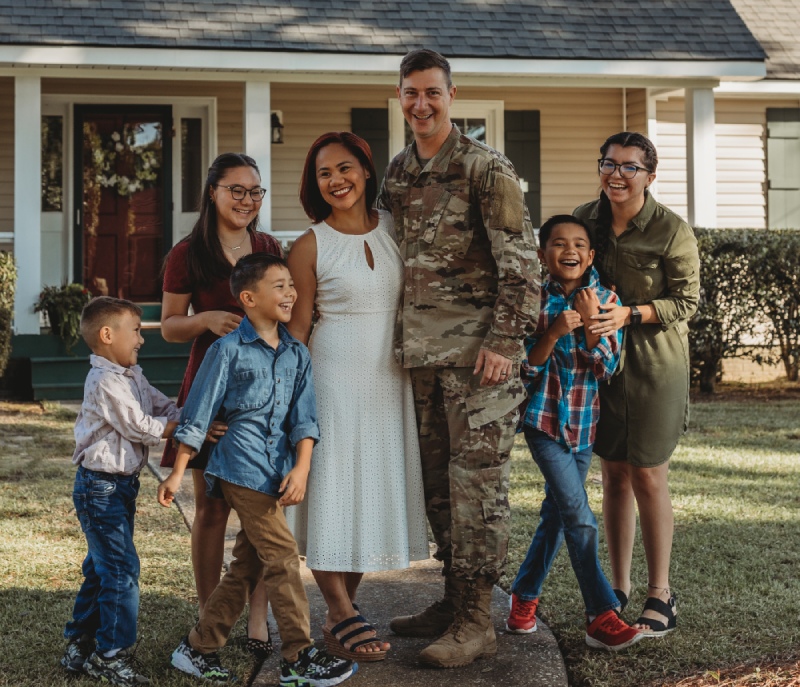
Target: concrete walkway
(522, 660)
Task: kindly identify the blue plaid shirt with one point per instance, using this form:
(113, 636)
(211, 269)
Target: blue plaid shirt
(564, 403)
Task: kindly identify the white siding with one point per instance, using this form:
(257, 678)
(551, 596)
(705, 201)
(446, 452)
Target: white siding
(636, 99)
(741, 164)
(574, 122)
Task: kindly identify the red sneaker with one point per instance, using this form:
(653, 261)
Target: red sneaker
(522, 619)
(608, 631)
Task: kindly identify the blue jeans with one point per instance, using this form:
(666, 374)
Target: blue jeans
(566, 515)
(107, 605)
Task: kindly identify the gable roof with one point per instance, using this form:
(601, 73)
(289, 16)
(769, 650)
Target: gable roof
(529, 29)
(776, 25)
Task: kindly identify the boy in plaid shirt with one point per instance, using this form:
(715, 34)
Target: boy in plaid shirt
(565, 365)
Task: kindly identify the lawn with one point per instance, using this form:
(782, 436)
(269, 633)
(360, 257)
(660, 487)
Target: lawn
(736, 566)
(41, 548)
(735, 482)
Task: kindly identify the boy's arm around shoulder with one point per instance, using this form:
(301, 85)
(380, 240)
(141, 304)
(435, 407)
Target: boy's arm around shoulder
(114, 401)
(603, 358)
(205, 397)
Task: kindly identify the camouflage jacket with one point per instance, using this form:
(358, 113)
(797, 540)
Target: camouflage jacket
(471, 271)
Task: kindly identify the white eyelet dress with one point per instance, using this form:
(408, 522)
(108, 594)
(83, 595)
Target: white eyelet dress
(364, 509)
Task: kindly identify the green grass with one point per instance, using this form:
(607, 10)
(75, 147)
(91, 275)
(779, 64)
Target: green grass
(736, 563)
(735, 482)
(41, 549)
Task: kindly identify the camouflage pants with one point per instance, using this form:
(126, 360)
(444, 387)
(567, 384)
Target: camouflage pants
(465, 434)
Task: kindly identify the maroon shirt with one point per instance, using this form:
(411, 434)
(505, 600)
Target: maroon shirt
(216, 295)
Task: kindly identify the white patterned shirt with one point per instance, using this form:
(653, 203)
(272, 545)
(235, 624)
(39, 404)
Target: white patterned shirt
(120, 418)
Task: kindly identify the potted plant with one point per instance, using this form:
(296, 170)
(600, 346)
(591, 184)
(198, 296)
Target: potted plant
(63, 305)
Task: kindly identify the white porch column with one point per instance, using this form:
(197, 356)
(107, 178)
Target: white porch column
(258, 139)
(27, 201)
(701, 158)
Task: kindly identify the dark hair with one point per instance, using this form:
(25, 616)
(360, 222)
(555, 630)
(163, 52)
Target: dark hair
(250, 269)
(100, 312)
(422, 59)
(310, 196)
(625, 139)
(205, 257)
(628, 139)
(547, 228)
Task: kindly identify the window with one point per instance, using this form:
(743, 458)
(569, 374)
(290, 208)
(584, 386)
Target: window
(191, 163)
(52, 163)
(480, 119)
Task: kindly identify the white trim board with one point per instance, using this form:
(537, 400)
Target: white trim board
(272, 63)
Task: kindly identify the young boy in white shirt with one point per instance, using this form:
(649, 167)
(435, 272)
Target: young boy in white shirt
(121, 417)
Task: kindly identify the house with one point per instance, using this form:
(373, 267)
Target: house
(110, 112)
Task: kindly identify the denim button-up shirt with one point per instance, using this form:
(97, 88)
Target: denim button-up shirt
(264, 395)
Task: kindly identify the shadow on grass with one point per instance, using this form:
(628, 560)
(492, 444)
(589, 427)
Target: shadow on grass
(33, 620)
(738, 595)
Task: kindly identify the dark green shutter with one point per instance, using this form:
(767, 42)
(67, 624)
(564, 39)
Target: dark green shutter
(783, 167)
(523, 149)
(372, 124)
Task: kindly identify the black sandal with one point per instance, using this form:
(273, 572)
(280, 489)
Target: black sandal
(261, 651)
(622, 597)
(669, 610)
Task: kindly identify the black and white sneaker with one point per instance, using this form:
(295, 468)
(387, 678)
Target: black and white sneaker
(316, 668)
(206, 666)
(118, 670)
(76, 653)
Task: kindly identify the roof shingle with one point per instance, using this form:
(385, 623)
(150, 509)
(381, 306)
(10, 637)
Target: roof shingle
(569, 29)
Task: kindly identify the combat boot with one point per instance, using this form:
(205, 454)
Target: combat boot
(435, 619)
(470, 636)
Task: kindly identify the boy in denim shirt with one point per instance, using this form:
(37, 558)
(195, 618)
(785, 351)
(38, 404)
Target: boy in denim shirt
(259, 377)
(120, 418)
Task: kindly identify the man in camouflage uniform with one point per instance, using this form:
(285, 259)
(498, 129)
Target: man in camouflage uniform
(471, 292)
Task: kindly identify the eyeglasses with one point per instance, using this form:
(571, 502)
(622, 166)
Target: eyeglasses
(627, 170)
(238, 192)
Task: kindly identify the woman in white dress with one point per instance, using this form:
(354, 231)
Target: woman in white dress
(364, 509)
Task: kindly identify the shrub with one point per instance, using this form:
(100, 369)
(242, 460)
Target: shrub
(727, 313)
(774, 274)
(8, 283)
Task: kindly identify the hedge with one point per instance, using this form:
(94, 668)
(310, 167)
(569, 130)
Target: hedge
(749, 290)
(8, 283)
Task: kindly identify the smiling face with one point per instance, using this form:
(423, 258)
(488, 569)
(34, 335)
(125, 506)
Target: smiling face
(425, 100)
(272, 297)
(124, 339)
(341, 178)
(567, 254)
(626, 191)
(234, 215)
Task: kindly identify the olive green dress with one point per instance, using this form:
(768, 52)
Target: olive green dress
(644, 409)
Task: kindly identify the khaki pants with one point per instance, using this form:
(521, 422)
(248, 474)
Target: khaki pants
(466, 433)
(264, 547)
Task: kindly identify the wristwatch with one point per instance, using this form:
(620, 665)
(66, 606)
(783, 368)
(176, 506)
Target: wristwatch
(636, 315)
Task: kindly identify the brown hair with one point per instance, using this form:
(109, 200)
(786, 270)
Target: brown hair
(311, 198)
(206, 259)
(249, 269)
(102, 312)
(628, 139)
(422, 59)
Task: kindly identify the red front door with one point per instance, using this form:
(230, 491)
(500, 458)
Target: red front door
(124, 196)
